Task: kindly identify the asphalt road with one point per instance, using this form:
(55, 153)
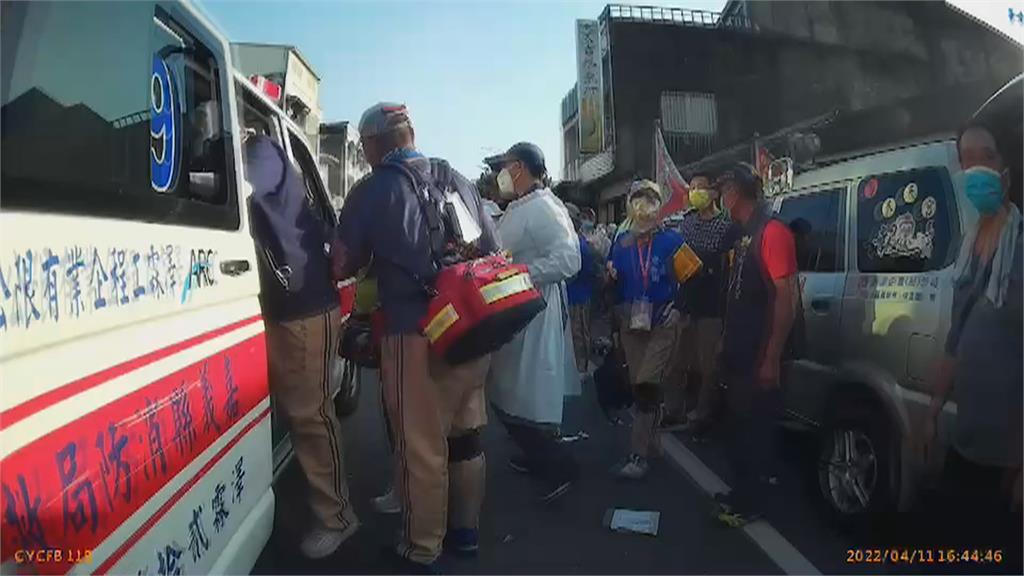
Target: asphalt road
(517, 534)
(520, 536)
(802, 519)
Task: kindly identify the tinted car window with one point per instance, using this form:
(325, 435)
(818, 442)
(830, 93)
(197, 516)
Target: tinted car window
(315, 193)
(815, 221)
(124, 126)
(906, 222)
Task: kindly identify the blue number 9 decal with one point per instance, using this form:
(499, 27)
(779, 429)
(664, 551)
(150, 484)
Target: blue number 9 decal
(164, 128)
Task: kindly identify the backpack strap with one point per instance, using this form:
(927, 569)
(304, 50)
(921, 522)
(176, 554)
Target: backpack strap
(429, 198)
(441, 175)
(441, 172)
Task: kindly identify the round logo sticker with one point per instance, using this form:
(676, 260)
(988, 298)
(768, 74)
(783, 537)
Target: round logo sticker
(871, 188)
(910, 193)
(928, 207)
(888, 208)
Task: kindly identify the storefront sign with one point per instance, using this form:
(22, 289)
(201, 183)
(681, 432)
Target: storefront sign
(591, 98)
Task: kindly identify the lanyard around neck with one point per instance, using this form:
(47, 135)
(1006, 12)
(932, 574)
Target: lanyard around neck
(645, 262)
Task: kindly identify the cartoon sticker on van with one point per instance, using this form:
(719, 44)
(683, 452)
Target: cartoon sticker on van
(910, 193)
(928, 208)
(900, 238)
(870, 189)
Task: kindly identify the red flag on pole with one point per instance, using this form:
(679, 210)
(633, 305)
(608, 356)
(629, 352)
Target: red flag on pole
(676, 190)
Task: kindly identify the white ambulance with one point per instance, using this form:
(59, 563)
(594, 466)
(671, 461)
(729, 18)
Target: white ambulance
(135, 417)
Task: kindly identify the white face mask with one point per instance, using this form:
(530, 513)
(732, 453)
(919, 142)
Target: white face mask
(506, 186)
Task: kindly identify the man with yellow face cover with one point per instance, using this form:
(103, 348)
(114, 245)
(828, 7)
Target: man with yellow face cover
(710, 234)
(641, 269)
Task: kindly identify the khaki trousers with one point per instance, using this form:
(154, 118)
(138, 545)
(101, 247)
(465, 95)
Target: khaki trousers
(649, 356)
(428, 402)
(300, 354)
(698, 348)
(579, 318)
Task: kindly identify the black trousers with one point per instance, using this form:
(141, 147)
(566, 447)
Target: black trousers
(977, 514)
(547, 458)
(752, 443)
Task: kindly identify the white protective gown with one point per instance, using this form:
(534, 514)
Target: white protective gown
(533, 373)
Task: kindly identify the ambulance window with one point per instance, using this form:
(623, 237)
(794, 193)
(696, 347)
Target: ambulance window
(311, 177)
(85, 86)
(254, 115)
(255, 119)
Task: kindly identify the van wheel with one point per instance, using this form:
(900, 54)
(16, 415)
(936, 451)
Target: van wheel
(854, 462)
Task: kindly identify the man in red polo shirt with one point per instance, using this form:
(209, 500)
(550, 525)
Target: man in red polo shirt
(762, 303)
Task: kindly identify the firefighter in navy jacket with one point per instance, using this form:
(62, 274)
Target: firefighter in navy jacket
(300, 308)
(435, 410)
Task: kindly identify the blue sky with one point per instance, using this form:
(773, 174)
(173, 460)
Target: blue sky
(477, 76)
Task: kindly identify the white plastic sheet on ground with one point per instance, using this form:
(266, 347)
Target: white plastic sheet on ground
(635, 521)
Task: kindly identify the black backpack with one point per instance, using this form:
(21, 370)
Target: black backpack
(611, 381)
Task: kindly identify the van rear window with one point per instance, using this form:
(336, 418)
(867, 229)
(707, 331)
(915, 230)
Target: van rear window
(907, 222)
(124, 125)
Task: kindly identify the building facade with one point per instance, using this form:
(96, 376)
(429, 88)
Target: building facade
(856, 75)
(285, 66)
(342, 162)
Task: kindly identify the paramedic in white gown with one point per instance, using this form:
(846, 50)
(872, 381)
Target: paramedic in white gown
(530, 376)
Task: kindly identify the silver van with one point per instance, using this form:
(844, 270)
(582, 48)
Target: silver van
(877, 237)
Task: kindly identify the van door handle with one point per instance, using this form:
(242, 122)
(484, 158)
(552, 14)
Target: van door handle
(820, 305)
(234, 267)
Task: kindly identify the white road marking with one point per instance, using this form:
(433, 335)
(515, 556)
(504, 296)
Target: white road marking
(688, 461)
(784, 554)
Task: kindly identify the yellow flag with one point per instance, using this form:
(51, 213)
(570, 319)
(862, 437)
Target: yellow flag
(686, 263)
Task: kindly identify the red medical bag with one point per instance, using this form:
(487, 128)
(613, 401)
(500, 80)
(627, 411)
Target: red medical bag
(479, 306)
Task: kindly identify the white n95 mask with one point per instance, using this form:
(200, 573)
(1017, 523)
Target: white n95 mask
(506, 187)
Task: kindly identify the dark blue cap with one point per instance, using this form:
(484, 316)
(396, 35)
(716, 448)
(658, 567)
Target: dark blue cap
(529, 154)
(745, 176)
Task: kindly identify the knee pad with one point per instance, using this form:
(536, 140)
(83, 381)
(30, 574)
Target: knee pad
(647, 397)
(465, 446)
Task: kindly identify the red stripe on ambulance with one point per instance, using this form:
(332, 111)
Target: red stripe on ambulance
(152, 520)
(71, 488)
(44, 401)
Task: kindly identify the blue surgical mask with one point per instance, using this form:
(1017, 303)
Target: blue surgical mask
(984, 188)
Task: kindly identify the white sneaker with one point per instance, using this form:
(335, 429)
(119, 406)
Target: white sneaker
(635, 468)
(387, 503)
(321, 543)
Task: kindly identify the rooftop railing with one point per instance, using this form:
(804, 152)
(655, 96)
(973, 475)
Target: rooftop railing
(678, 16)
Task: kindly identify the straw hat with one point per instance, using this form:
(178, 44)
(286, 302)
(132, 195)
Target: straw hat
(643, 205)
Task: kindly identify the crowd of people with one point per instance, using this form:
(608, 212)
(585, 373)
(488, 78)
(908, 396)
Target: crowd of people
(704, 348)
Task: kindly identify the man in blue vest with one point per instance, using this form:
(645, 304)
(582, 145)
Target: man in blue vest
(762, 301)
(649, 325)
(579, 292)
